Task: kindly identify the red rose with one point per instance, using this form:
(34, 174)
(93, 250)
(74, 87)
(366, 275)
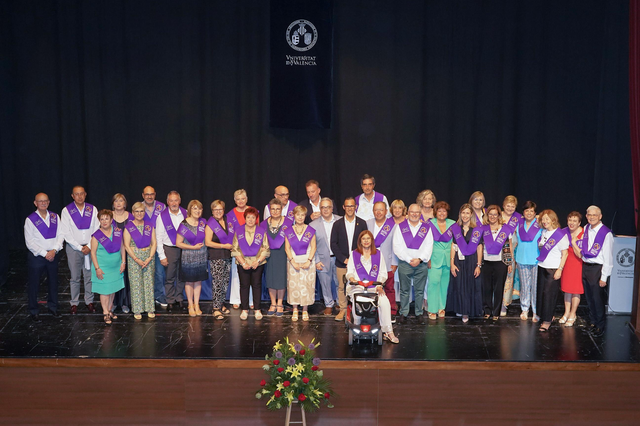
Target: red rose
(277, 394)
(276, 362)
(280, 369)
(286, 384)
(314, 368)
(304, 380)
(302, 351)
(327, 395)
(301, 397)
(263, 382)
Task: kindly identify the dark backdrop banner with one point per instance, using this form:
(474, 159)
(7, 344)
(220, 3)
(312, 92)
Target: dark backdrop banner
(507, 97)
(301, 64)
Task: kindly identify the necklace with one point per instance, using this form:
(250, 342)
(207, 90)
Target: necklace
(274, 228)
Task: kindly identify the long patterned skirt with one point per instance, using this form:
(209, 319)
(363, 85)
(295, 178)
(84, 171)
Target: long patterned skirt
(141, 282)
(220, 273)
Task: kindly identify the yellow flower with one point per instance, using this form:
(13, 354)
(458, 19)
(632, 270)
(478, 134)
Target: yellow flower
(273, 398)
(290, 397)
(295, 373)
(277, 346)
(279, 386)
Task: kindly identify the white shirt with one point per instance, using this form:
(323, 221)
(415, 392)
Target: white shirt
(34, 240)
(406, 254)
(328, 226)
(315, 208)
(555, 255)
(605, 257)
(161, 232)
(495, 257)
(351, 269)
(351, 229)
(75, 237)
(365, 207)
(285, 210)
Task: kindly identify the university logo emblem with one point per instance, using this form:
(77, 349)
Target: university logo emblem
(158, 207)
(302, 35)
(386, 228)
(625, 257)
(476, 234)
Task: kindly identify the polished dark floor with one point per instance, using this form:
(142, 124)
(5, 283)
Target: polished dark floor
(177, 336)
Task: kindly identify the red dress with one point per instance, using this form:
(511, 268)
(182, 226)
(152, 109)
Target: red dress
(571, 281)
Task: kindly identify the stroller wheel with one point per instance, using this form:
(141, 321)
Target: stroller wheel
(350, 337)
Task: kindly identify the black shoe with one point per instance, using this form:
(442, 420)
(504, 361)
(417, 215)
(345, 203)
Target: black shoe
(35, 317)
(54, 314)
(591, 327)
(423, 320)
(91, 308)
(169, 307)
(401, 319)
(597, 332)
(393, 319)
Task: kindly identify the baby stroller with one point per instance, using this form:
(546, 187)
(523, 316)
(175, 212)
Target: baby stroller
(366, 307)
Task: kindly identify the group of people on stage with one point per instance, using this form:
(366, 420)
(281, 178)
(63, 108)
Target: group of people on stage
(470, 266)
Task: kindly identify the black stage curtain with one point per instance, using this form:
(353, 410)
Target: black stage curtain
(508, 97)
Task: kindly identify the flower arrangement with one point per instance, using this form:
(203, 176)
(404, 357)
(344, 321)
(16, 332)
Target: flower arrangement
(294, 374)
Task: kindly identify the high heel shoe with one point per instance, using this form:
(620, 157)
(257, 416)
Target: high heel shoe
(192, 311)
(197, 309)
(562, 320)
(305, 316)
(570, 322)
(295, 316)
(279, 310)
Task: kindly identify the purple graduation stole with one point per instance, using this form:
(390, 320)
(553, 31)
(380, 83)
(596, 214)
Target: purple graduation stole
(592, 252)
(130, 218)
(515, 220)
(568, 232)
(411, 241)
(193, 238)
(376, 197)
(553, 240)
(113, 245)
(292, 206)
(423, 219)
(142, 239)
(254, 248)
(528, 235)
(159, 208)
(224, 237)
(495, 246)
(437, 236)
(276, 242)
(82, 221)
(467, 249)
(299, 246)
(372, 275)
(168, 225)
(479, 219)
(232, 219)
(47, 232)
(385, 231)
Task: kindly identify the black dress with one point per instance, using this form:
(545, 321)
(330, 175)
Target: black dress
(123, 297)
(465, 291)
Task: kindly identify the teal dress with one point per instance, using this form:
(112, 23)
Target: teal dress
(110, 264)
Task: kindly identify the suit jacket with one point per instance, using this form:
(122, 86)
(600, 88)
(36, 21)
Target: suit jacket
(339, 245)
(307, 204)
(323, 242)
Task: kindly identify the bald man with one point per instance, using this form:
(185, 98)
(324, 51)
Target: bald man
(44, 240)
(282, 193)
(153, 208)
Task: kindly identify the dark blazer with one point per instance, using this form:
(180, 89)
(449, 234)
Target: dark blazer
(339, 244)
(307, 204)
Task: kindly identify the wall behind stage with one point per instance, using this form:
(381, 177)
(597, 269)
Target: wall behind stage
(524, 98)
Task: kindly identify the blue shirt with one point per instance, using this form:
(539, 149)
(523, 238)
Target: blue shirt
(527, 252)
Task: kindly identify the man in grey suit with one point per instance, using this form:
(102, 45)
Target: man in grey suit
(325, 260)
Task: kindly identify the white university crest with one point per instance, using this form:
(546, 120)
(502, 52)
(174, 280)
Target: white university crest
(302, 35)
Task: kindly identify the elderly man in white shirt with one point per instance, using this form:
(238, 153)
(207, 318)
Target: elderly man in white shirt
(44, 240)
(366, 200)
(167, 226)
(596, 248)
(79, 221)
(413, 245)
(382, 229)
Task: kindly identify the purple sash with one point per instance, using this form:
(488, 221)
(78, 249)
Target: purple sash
(478, 218)
(299, 246)
(193, 238)
(224, 237)
(423, 219)
(254, 248)
(437, 236)
(553, 240)
(411, 241)
(467, 249)
(568, 232)
(111, 246)
(592, 252)
(168, 225)
(289, 216)
(47, 232)
(372, 275)
(385, 231)
(129, 219)
(84, 221)
(159, 208)
(142, 240)
(494, 247)
(376, 197)
(276, 242)
(528, 235)
(515, 220)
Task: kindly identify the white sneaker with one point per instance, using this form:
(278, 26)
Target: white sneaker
(258, 315)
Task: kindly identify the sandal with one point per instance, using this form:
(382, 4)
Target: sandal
(305, 316)
(218, 315)
(496, 318)
(272, 310)
(391, 337)
(151, 315)
(137, 316)
(432, 316)
(487, 316)
(113, 316)
(570, 322)
(225, 310)
(107, 319)
(279, 310)
(236, 306)
(295, 316)
(543, 328)
(562, 320)
(465, 319)
(535, 318)
(524, 315)
(197, 309)
(244, 315)
(441, 313)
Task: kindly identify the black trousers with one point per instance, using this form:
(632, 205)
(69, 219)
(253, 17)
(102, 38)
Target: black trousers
(494, 274)
(251, 278)
(547, 293)
(173, 285)
(591, 273)
(36, 266)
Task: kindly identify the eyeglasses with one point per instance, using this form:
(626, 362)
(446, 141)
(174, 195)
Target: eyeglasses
(492, 214)
(350, 207)
(218, 210)
(325, 207)
(149, 194)
(285, 194)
